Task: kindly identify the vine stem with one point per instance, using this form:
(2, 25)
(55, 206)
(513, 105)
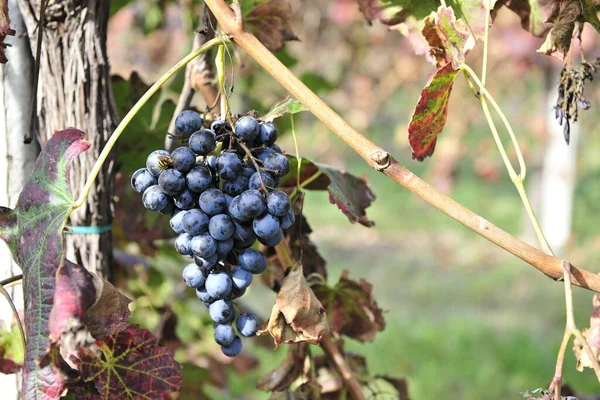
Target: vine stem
(335, 355)
(135, 109)
(14, 308)
(220, 64)
(380, 160)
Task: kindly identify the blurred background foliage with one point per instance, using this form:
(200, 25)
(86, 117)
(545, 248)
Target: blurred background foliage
(465, 319)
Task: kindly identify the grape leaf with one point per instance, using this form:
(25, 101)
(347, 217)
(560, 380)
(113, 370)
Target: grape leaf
(286, 106)
(473, 12)
(269, 21)
(392, 12)
(34, 234)
(131, 366)
(287, 372)
(429, 117)
(592, 335)
(4, 29)
(352, 309)
(297, 316)
(449, 38)
(531, 14)
(352, 195)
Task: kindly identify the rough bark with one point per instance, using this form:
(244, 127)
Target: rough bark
(74, 91)
(16, 158)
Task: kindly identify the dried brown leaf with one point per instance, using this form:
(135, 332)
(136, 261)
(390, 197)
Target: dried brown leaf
(592, 335)
(285, 373)
(270, 22)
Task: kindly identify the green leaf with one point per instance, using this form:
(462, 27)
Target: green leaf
(34, 234)
(429, 116)
(449, 38)
(286, 106)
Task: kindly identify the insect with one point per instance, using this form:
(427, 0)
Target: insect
(164, 163)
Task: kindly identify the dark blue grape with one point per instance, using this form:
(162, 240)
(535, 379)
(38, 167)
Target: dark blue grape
(206, 263)
(184, 159)
(243, 231)
(221, 227)
(233, 349)
(241, 278)
(244, 244)
(251, 204)
(221, 311)
(154, 199)
(203, 245)
(212, 201)
(254, 182)
(247, 324)
(267, 133)
(272, 241)
(203, 142)
(234, 210)
(218, 284)
(176, 222)
(288, 219)
(211, 161)
(195, 222)
(185, 201)
(228, 199)
(220, 127)
(171, 182)
(224, 334)
(224, 247)
(188, 122)
(229, 165)
(252, 261)
(246, 128)
(142, 179)
(183, 244)
(153, 161)
(278, 203)
(276, 149)
(262, 156)
(248, 171)
(193, 276)
(236, 186)
(278, 164)
(236, 293)
(198, 179)
(266, 225)
(203, 295)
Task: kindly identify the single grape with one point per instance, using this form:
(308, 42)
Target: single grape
(198, 179)
(176, 222)
(221, 311)
(234, 210)
(188, 122)
(262, 156)
(252, 261)
(266, 225)
(278, 203)
(288, 219)
(218, 284)
(236, 186)
(206, 263)
(221, 227)
(228, 199)
(224, 334)
(220, 127)
(142, 179)
(185, 200)
(171, 182)
(243, 231)
(241, 278)
(203, 142)
(247, 324)
(153, 161)
(233, 349)
(251, 204)
(195, 222)
(184, 159)
(154, 199)
(236, 293)
(254, 182)
(246, 128)
(203, 295)
(224, 247)
(229, 165)
(267, 133)
(248, 171)
(278, 164)
(276, 149)
(183, 244)
(272, 241)
(203, 245)
(243, 244)
(193, 276)
(212, 201)
(170, 208)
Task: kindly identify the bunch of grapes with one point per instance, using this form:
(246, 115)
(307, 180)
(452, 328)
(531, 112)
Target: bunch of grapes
(221, 191)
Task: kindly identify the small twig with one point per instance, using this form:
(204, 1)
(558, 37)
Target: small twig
(12, 279)
(339, 362)
(16, 313)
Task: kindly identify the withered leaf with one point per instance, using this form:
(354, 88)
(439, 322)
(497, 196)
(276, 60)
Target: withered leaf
(270, 22)
(310, 390)
(4, 29)
(592, 335)
(285, 373)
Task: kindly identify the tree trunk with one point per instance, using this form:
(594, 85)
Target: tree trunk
(74, 91)
(16, 158)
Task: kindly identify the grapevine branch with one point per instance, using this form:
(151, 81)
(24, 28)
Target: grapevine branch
(382, 161)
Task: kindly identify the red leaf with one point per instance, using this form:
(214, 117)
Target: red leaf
(429, 116)
(132, 366)
(449, 39)
(270, 21)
